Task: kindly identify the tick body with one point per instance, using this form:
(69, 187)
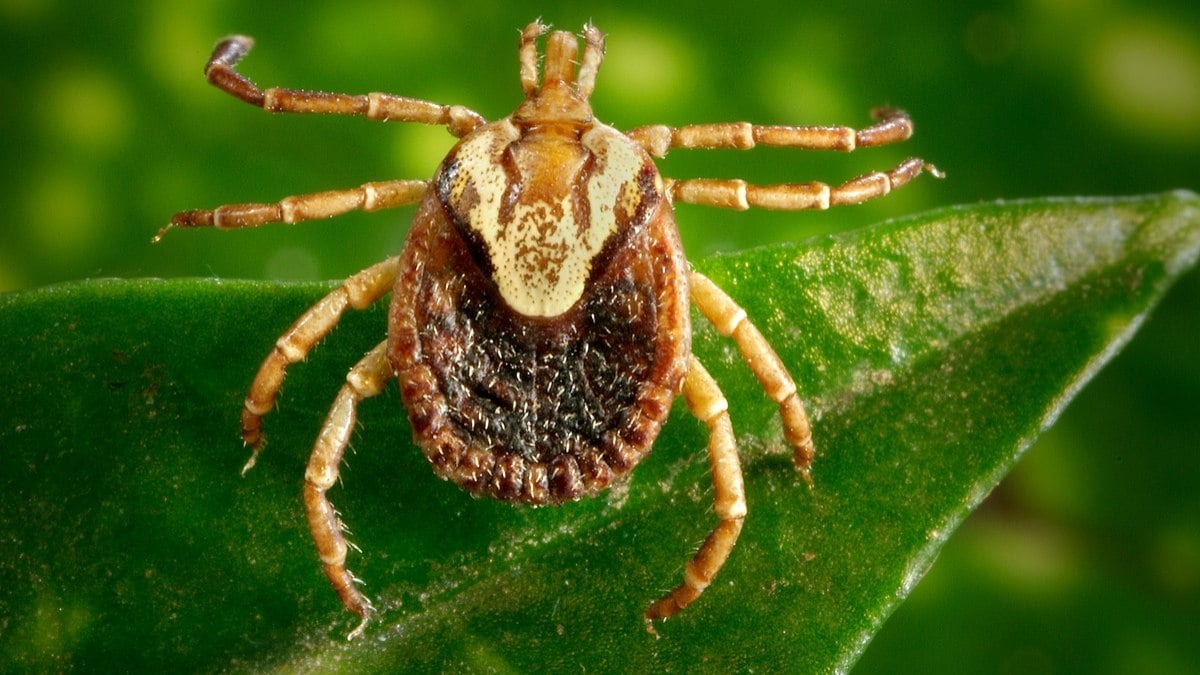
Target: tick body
(539, 323)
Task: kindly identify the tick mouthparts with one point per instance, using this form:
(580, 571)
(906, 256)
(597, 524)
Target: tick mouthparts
(562, 48)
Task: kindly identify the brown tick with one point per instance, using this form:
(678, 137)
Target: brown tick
(539, 325)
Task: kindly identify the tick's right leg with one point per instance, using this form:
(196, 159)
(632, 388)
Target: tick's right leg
(731, 321)
(891, 126)
(708, 404)
(359, 292)
(365, 379)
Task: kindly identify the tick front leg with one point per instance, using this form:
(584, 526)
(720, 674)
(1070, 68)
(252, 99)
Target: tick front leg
(359, 291)
(297, 208)
(739, 195)
(891, 126)
(730, 320)
(221, 72)
(366, 379)
(707, 403)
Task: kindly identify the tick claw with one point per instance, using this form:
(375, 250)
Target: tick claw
(250, 462)
(358, 631)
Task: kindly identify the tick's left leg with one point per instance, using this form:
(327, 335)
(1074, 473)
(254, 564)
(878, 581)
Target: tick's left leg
(730, 321)
(359, 292)
(365, 379)
(297, 208)
(221, 71)
(708, 404)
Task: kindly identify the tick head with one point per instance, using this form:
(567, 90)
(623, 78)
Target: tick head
(544, 197)
(561, 97)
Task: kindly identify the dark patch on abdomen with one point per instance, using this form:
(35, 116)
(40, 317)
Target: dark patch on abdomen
(541, 389)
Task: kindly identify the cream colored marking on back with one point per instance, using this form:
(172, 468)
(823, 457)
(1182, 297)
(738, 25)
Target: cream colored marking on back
(541, 260)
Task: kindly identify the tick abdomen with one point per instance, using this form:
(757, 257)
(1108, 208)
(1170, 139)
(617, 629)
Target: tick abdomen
(537, 409)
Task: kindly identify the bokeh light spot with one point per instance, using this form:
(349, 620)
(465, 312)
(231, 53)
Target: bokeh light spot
(417, 149)
(990, 38)
(86, 107)
(177, 44)
(23, 10)
(801, 81)
(1147, 77)
(416, 28)
(10, 277)
(64, 211)
(801, 94)
(650, 69)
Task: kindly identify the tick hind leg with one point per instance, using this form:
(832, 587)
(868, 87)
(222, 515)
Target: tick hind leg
(366, 379)
(708, 404)
(730, 320)
(359, 292)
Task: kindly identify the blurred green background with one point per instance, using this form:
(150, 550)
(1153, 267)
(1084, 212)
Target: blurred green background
(1087, 559)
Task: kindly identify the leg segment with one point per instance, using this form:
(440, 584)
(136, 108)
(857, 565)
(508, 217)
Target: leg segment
(366, 379)
(368, 197)
(739, 195)
(221, 72)
(359, 292)
(730, 321)
(707, 403)
(593, 54)
(528, 56)
(891, 126)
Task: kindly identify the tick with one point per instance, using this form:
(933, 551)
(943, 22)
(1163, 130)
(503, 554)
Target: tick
(539, 324)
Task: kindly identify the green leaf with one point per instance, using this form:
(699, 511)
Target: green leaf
(931, 351)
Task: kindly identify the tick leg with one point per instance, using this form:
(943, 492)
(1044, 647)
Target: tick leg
(593, 55)
(365, 379)
(528, 56)
(739, 195)
(891, 126)
(359, 292)
(730, 321)
(368, 197)
(708, 404)
(221, 72)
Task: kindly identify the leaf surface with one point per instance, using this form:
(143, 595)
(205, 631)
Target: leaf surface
(931, 352)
